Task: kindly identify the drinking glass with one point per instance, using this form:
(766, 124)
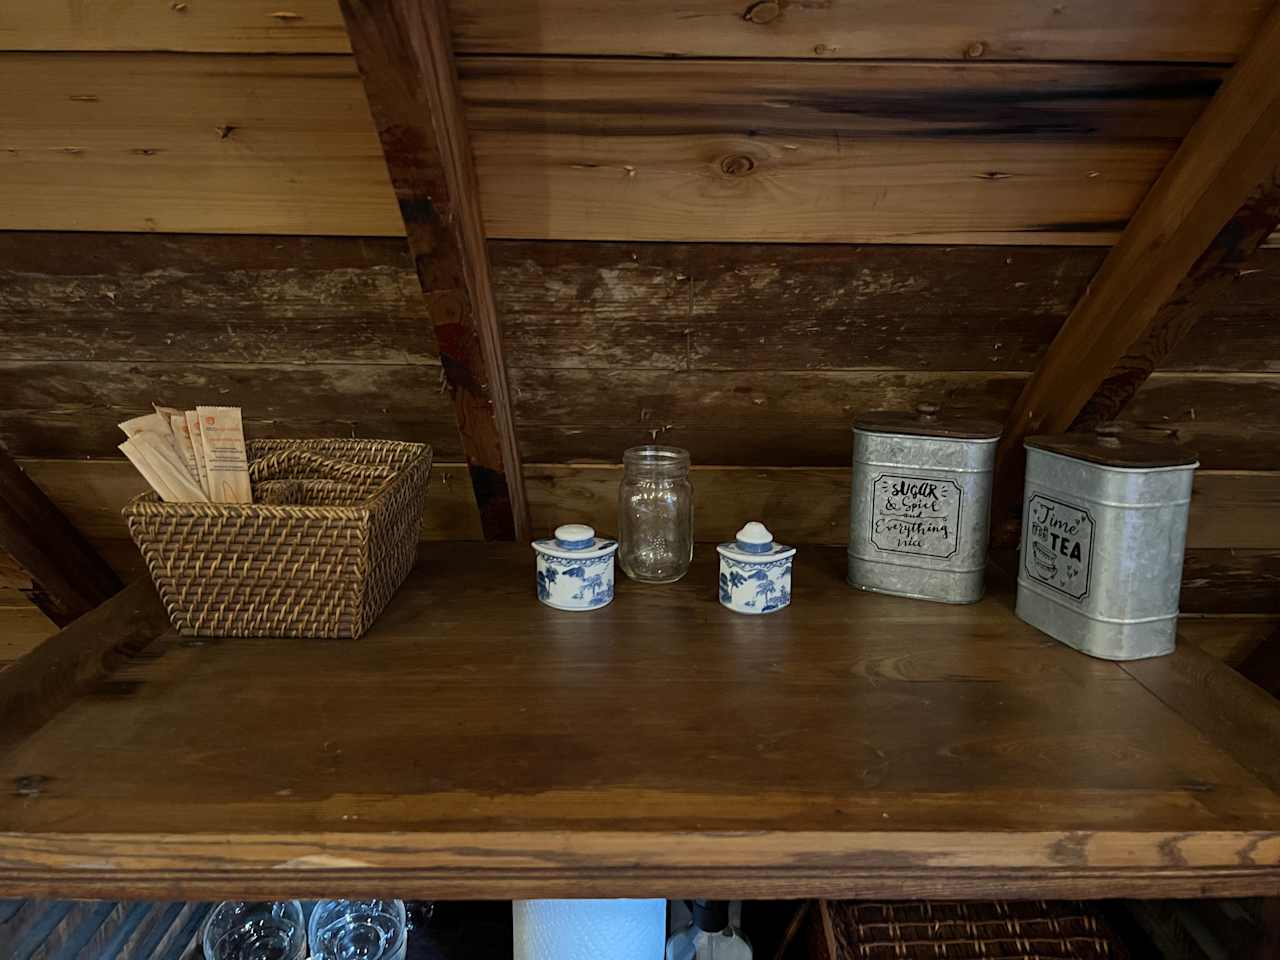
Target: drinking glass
(358, 930)
(255, 930)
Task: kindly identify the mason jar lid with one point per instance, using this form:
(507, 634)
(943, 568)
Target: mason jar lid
(1108, 446)
(575, 541)
(927, 420)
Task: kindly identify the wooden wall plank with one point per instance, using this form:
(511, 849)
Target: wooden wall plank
(1231, 581)
(1229, 509)
(226, 26)
(933, 29)
(160, 142)
(601, 149)
(149, 297)
(71, 408)
(802, 418)
(819, 307)
(812, 151)
(590, 305)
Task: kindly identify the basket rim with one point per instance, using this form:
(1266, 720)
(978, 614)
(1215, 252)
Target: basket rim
(148, 502)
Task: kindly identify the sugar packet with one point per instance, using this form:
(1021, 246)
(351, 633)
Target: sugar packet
(225, 457)
(170, 480)
(156, 426)
(197, 447)
(182, 439)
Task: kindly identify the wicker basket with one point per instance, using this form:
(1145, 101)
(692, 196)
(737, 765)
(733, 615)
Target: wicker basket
(1010, 930)
(334, 534)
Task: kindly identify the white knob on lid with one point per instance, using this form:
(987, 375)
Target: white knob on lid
(754, 533)
(575, 535)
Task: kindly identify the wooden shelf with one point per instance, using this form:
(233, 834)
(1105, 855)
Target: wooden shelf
(478, 744)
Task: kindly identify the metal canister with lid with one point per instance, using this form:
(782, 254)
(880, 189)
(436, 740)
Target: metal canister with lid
(921, 503)
(1104, 530)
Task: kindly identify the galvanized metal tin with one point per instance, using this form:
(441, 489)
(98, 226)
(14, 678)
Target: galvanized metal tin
(921, 504)
(1104, 531)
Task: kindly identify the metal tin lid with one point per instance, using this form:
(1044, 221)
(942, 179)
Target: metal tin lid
(575, 541)
(1108, 447)
(754, 543)
(926, 421)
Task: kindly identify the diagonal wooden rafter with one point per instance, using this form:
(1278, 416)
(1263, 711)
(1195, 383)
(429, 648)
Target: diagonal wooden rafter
(403, 48)
(1200, 218)
(67, 576)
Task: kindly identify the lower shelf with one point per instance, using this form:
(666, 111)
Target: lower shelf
(476, 744)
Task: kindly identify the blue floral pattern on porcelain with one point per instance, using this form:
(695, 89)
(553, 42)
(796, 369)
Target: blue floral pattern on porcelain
(755, 572)
(575, 569)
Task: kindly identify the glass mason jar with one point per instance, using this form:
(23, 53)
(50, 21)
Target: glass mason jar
(655, 514)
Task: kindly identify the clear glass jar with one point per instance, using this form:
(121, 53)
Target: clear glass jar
(655, 514)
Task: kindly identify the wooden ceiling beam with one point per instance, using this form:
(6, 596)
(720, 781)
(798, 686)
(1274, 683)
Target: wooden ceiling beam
(68, 578)
(403, 49)
(1226, 170)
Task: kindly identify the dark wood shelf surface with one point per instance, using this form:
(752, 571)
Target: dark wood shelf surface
(478, 744)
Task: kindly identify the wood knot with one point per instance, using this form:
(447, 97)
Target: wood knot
(738, 165)
(975, 50)
(29, 786)
(766, 11)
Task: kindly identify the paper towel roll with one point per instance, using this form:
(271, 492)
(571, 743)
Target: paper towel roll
(589, 929)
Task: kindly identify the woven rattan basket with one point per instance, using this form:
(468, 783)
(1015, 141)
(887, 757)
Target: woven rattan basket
(1009, 930)
(332, 535)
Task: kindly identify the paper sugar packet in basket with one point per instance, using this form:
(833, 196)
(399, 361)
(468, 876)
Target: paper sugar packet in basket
(197, 447)
(158, 465)
(225, 457)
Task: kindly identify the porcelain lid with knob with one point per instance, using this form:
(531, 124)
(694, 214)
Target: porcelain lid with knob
(754, 543)
(575, 541)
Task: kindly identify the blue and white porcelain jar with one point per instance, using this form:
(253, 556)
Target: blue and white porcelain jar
(755, 572)
(575, 568)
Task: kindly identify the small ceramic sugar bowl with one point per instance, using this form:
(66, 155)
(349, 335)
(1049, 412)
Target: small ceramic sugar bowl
(575, 568)
(755, 572)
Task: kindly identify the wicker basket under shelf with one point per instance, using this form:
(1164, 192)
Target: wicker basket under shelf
(1010, 930)
(323, 564)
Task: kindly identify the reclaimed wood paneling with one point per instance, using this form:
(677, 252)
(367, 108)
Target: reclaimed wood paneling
(71, 408)
(163, 142)
(589, 305)
(802, 418)
(158, 297)
(225, 26)
(1231, 581)
(811, 151)
(815, 307)
(602, 149)
(935, 29)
